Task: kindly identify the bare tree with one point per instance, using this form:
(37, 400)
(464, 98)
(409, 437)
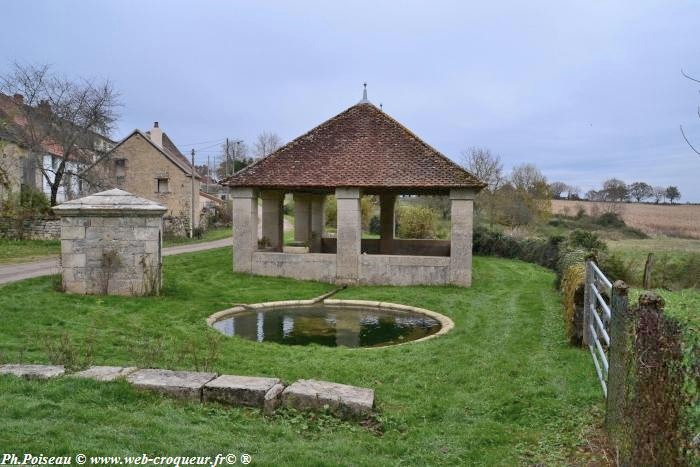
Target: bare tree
(63, 117)
(488, 168)
(659, 194)
(557, 189)
(234, 156)
(485, 166)
(265, 143)
(615, 190)
(529, 178)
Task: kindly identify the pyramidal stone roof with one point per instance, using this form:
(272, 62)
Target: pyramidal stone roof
(116, 201)
(361, 147)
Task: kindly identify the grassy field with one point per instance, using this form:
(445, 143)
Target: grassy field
(502, 388)
(676, 220)
(20, 251)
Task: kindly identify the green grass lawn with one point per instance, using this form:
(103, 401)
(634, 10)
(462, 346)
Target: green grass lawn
(208, 236)
(20, 251)
(502, 388)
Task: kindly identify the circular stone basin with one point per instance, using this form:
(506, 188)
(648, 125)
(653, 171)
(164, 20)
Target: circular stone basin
(348, 323)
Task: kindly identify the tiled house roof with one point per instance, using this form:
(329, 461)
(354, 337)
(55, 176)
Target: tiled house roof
(169, 150)
(360, 147)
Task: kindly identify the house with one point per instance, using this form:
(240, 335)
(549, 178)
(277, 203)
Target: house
(149, 165)
(19, 166)
(361, 151)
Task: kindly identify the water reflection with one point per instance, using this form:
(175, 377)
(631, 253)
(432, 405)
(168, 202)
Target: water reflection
(329, 326)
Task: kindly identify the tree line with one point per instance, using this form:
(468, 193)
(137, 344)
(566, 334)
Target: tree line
(616, 191)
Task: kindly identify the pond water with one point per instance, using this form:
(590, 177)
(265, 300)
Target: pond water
(329, 325)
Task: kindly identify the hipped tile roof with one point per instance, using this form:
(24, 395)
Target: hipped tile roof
(360, 147)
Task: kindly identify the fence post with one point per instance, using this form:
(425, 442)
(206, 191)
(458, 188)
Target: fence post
(619, 360)
(587, 300)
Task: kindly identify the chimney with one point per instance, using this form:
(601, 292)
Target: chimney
(157, 135)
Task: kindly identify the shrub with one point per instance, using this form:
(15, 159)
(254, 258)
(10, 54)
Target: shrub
(374, 225)
(417, 222)
(586, 239)
(610, 219)
(572, 288)
(544, 252)
(331, 211)
(615, 268)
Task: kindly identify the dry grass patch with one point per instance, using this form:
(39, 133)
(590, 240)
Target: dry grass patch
(680, 220)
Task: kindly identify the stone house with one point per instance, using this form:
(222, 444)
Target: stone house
(19, 167)
(361, 151)
(149, 165)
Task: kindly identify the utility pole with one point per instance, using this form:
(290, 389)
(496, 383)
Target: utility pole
(208, 173)
(193, 200)
(235, 153)
(228, 160)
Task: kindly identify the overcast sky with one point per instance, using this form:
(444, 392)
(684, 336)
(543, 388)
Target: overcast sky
(584, 90)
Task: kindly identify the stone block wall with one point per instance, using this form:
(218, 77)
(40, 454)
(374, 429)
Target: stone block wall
(111, 255)
(47, 228)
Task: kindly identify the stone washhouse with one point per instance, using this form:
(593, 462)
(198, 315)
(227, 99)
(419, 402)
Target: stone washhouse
(361, 151)
(111, 244)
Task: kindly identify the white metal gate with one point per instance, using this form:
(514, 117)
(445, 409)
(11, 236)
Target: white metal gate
(596, 320)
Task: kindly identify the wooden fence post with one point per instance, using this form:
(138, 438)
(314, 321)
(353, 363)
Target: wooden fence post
(587, 300)
(619, 356)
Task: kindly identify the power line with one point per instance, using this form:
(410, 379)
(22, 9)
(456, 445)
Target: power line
(205, 142)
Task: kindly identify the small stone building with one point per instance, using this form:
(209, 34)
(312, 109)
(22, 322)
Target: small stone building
(361, 151)
(111, 244)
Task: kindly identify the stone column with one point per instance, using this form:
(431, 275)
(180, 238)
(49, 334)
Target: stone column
(273, 218)
(245, 228)
(387, 202)
(349, 235)
(302, 217)
(462, 208)
(318, 220)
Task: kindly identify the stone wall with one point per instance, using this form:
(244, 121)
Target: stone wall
(33, 229)
(111, 255)
(404, 270)
(304, 266)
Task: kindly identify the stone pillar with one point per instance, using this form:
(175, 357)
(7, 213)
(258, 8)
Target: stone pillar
(273, 218)
(349, 235)
(387, 202)
(318, 220)
(245, 228)
(302, 217)
(462, 208)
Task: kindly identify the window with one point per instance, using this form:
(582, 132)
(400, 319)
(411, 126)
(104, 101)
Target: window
(162, 185)
(120, 167)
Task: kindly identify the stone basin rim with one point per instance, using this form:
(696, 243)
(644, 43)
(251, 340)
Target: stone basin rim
(446, 324)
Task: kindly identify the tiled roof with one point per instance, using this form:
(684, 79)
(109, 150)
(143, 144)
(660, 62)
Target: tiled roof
(360, 147)
(169, 150)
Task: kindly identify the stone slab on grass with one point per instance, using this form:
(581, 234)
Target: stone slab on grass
(343, 400)
(181, 384)
(247, 391)
(33, 371)
(105, 373)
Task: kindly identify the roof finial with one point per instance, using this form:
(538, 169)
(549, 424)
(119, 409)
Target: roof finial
(364, 95)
